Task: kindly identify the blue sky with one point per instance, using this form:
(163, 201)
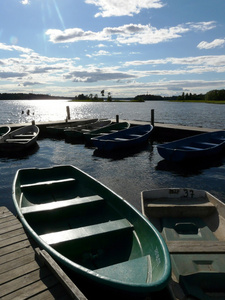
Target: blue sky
(126, 47)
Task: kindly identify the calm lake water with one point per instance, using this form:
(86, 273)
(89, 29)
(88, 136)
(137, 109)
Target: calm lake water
(128, 173)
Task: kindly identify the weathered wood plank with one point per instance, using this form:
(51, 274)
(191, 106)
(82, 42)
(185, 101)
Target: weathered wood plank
(64, 279)
(11, 234)
(196, 246)
(18, 267)
(32, 289)
(14, 247)
(22, 281)
(10, 227)
(4, 212)
(15, 255)
(13, 240)
(57, 292)
(22, 274)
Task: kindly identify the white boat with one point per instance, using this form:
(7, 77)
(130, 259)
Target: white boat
(19, 139)
(192, 223)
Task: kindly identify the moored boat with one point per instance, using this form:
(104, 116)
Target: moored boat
(19, 139)
(4, 130)
(91, 231)
(78, 132)
(131, 137)
(112, 128)
(192, 224)
(195, 147)
(58, 130)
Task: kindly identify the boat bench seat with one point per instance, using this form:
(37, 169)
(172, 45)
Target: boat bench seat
(86, 232)
(205, 144)
(47, 183)
(190, 148)
(135, 135)
(61, 204)
(17, 140)
(182, 210)
(201, 247)
(26, 136)
(121, 139)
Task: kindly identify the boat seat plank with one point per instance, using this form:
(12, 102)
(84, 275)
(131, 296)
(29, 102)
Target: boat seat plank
(134, 135)
(61, 204)
(120, 139)
(85, 232)
(196, 246)
(173, 209)
(26, 136)
(17, 140)
(205, 145)
(190, 148)
(45, 183)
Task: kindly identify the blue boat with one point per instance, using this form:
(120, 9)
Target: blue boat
(131, 137)
(196, 147)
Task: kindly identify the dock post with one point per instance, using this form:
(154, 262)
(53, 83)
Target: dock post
(152, 117)
(117, 118)
(33, 122)
(68, 112)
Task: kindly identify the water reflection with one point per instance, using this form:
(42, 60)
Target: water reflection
(190, 168)
(123, 153)
(4, 156)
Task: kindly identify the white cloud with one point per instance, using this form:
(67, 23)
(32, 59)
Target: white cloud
(13, 47)
(25, 2)
(110, 8)
(213, 44)
(207, 60)
(127, 34)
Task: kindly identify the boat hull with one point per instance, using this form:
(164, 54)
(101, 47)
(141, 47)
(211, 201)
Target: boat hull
(78, 132)
(19, 139)
(106, 130)
(90, 230)
(192, 224)
(131, 137)
(193, 148)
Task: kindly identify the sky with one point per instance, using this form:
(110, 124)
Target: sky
(126, 47)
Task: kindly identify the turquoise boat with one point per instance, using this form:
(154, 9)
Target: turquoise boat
(91, 231)
(112, 128)
(192, 224)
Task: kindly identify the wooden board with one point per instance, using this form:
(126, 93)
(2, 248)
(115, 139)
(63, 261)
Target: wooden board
(22, 273)
(196, 247)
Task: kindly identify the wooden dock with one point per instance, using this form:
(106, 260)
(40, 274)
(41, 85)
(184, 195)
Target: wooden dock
(26, 272)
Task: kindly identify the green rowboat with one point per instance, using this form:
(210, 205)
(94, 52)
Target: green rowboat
(91, 230)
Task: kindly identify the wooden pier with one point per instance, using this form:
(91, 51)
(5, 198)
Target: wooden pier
(26, 272)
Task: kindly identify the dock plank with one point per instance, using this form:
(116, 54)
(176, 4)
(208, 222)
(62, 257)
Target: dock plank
(23, 274)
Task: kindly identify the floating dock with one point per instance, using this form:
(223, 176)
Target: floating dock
(161, 130)
(25, 270)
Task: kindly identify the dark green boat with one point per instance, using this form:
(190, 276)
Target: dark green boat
(91, 230)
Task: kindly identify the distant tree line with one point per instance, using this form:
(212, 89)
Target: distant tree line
(214, 95)
(30, 96)
(92, 97)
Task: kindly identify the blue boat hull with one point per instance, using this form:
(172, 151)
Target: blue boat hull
(123, 139)
(195, 147)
